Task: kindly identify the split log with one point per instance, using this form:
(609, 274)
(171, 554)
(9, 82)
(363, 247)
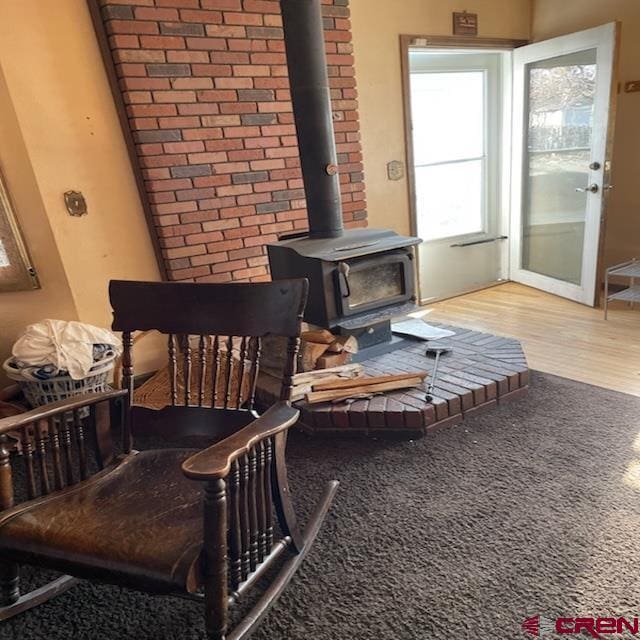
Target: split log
(344, 372)
(333, 360)
(299, 392)
(335, 395)
(274, 354)
(326, 385)
(320, 336)
(344, 343)
(269, 387)
(310, 352)
(270, 382)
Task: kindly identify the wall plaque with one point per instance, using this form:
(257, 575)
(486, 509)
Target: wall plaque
(465, 24)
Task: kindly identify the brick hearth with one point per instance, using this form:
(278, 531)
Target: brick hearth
(480, 371)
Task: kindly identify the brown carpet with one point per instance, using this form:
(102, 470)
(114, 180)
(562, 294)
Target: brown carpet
(531, 509)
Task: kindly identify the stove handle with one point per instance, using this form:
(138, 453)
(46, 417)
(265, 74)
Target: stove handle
(343, 279)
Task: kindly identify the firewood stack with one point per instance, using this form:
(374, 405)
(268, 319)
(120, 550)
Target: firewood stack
(325, 372)
(321, 353)
(320, 349)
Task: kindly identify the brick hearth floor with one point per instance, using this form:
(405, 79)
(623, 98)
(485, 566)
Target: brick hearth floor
(480, 370)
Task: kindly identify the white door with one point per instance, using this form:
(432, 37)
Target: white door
(562, 110)
(456, 119)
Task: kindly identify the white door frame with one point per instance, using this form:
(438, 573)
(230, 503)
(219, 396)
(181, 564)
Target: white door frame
(458, 42)
(604, 40)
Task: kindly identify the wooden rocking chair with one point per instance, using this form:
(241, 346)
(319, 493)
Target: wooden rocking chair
(168, 521)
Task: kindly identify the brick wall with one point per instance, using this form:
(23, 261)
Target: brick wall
(207, 98)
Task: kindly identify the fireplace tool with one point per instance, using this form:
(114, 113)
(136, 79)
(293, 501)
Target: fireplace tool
(434, 351)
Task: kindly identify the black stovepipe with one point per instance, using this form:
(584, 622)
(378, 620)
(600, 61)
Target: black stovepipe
(311, 97)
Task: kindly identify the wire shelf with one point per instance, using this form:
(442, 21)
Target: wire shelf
(631, 294)
(630, 270)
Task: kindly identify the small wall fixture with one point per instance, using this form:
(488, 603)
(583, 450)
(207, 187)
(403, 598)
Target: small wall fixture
(75, 203)
(395, 170)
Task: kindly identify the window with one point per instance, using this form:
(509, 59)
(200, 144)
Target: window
(561, 104)
(454, 141)
(16, 272)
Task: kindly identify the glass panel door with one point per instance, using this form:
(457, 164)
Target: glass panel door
(456, 125)
(561, 101)
(562, 90)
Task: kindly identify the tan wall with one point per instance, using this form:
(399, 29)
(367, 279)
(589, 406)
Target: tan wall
(622, 240)
(54, 299)
(377, 25)
(66, 127)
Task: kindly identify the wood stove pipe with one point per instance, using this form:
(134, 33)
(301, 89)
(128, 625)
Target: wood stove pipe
(309, 80)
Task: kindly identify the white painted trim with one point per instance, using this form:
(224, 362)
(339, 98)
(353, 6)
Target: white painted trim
(504, 221)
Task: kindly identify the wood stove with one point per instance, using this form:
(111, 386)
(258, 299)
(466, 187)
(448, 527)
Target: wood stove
(360, 278)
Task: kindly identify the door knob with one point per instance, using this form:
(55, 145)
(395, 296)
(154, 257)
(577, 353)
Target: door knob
(593, 188)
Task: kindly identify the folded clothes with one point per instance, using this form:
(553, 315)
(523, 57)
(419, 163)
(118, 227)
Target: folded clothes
(53, 347)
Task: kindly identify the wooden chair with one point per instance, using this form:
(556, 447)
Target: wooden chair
(167, 521)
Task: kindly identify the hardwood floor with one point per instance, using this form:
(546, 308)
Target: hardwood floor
(559, 336)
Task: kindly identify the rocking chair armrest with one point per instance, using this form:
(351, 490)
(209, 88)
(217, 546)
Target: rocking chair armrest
(47, 411)
(215, 462)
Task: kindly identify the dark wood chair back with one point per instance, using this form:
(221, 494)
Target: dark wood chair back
(214, 339)
(209, 309)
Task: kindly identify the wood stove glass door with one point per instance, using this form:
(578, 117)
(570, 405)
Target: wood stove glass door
(456, 126)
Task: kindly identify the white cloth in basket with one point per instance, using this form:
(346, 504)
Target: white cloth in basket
(68, 346)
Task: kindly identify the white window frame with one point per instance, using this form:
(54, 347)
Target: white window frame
(492, 159)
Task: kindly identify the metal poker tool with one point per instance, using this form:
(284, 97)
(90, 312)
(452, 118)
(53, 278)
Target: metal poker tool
(435, 351)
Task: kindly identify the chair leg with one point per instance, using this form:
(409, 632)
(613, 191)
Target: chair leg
(282, 494)
(216, 595)
(9, 583)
